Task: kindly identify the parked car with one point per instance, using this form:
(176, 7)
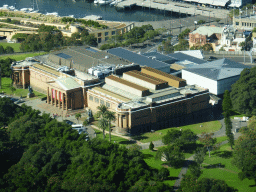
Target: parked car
(212, 58)
(68, 122)
(19, 101)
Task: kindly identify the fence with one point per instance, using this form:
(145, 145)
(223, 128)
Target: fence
(229, 53)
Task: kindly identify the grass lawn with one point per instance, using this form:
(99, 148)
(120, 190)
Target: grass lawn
(221, 139)
(19, 57)
(149, 157)
(6, 82)
(15, 46)
(236, 114)
(210, 126)
(219, 166)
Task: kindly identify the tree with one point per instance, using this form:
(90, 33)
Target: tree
(199, 156)
(12, 89)
(171, 136)
(110, 116)
(162, 174)
(78, 116)
(151, 146)
(2, 51)
(103, 124)
(229, 134)
(195, 170)
(90, 40)
(217, 20)
(201, 22)
(243, 94)
(226, 104)
(208, 141)
(245, 154)
(9, 50)
(86, 122)
(173, 155)
(207, 47)
(190, 183)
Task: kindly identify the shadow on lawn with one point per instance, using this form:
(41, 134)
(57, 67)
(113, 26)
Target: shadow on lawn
(147, 156)
(216, 165)
(139, 137)
(127, 142)
(224, 154)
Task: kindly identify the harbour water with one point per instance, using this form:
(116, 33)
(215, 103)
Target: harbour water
(82, 8)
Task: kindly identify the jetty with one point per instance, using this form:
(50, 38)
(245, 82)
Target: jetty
(174, 7)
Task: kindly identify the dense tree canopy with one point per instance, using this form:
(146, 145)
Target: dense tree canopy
(243, 92)
(190, 184)
(245, 152)
(42, 154)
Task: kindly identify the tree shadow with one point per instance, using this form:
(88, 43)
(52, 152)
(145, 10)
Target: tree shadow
(128, 142)
(252, 185)
(139, 137)
(172, 178)
(147, 156)
(224, 154)
(216, 165)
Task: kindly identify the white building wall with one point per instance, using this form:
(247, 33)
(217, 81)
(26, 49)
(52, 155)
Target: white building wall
(194, 79)
(225, 84)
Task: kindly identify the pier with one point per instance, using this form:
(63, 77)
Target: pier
(175, 7)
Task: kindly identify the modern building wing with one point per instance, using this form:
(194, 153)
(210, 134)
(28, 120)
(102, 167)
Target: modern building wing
(217, 76)
(139, 59)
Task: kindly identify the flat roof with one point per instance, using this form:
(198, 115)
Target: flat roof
(112, 94)
(164, 74)
(122, 81)
(67, 83)
(47, 69)
(145, 77)
(137, 58)
(169, 92)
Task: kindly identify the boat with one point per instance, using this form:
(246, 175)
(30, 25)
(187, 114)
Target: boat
(96, 1)
(24, 9)
(53, 13)
(114, 3)
(93, 17)
(12, 8)
(104, 2)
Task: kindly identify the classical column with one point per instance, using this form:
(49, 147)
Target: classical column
(63, 99)
(59, 98)
(48, 95)
(51, 97)
(67, 101)
(23, 77)
(56, 96)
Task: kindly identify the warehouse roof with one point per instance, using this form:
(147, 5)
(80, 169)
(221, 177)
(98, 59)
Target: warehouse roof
(137, 58)
(164, 74)
(145, 77)
(182, 57)
(160, 57)
(219, 69)
(206, 30)
(122, 81)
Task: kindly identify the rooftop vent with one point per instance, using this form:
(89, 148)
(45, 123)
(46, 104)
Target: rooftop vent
(106, 57)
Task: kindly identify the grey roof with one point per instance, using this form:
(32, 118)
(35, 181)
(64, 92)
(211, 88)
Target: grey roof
(137, 58)
(219, 69)
(160, 57)
(182, 57)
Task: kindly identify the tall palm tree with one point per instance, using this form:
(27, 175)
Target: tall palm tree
(110, 116)
(102, 110)
(103, 124)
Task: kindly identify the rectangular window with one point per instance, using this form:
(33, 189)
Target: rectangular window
(107, 104)
(106, 33)
(237, 23)
(101, 102)
(113, 32)
(91, 98)
(96, 100)
(99, 34)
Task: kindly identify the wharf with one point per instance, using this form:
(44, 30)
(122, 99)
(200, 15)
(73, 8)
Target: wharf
(175, 7)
